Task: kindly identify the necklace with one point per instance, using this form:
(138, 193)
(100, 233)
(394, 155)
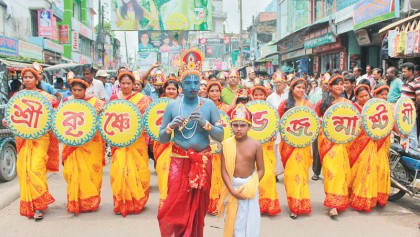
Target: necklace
(194, 126)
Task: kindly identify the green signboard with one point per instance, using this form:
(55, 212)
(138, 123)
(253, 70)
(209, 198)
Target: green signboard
(315, 42)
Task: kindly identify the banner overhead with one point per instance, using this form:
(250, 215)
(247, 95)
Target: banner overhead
(162, 15)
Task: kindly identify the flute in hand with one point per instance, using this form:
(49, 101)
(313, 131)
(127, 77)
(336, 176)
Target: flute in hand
(189, 117)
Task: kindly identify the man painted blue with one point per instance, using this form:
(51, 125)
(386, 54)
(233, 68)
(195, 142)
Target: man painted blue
(183, 212)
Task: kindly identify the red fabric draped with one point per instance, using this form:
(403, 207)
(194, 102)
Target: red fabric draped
(185, 208)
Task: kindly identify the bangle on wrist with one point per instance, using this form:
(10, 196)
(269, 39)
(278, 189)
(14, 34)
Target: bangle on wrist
(207, 126)
(169, 130)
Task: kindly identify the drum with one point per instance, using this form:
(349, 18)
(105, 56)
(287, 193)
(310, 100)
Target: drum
(74, 128)
(153, 117)
(405, 116)
(265, 120)
(341, 123)
(299, 126)
(377, 118)
(216, 147)
(120, 123)
(29, 114)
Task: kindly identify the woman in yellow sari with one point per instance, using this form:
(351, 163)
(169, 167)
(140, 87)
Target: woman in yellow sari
(384, 181)
(35, 158)
(130, 189)
(214, 91)
(268, 195)
(162, 152)
(296, 161)
(334, 157)
(83, 165)
(363, 162)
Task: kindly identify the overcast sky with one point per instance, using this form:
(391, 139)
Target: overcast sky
(249, 8)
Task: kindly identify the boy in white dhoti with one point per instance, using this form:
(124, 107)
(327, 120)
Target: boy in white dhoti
(240, 192)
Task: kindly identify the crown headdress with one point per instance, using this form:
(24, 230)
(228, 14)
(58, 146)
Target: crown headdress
(191, 63)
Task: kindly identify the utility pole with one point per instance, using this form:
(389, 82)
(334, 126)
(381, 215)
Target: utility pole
(126, 49)
(240, 34)
(103, 36)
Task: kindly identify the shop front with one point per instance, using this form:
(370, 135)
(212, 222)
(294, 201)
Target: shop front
(330, 56)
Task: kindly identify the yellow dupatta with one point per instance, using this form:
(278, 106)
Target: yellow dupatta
(249, 191)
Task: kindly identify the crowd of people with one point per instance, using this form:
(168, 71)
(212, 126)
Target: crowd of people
(355, 174)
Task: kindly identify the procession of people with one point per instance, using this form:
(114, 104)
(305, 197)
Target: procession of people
(214, 151)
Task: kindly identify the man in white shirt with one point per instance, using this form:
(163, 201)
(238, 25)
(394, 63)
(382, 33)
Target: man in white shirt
(278, 96)
(102, 76)
(96, 87)
(249, 82)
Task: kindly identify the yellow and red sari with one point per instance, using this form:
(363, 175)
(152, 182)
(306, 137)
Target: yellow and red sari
(83, 166)
(268, 195)
(335, 169)
(384, 181)
(363, 162)
(296, 163)
(130, 175)
(216, 175)
(35, 157)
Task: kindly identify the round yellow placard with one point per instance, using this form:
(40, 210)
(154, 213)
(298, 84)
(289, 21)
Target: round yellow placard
(299, 126)
(265, 120)
(341, 123)
(405, 116)
(377, 118)
(216, 147)
(153, 117)
(28, 114)
(74, 122)
(120, 123)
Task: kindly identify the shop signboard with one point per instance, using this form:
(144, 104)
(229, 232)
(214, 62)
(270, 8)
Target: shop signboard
(64, 34)
(162, 41)
(45, 24)
(50, 45)
(81, 28)
(8, 46)
(75, 41)
(321, 40)
(369, 12)
(29, 50)
(210, 41)
(163, 15)
(362, 37)
(267, 50)
(328, 47)
(79, 58)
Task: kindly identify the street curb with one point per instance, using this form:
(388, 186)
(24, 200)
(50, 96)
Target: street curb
(10, 196)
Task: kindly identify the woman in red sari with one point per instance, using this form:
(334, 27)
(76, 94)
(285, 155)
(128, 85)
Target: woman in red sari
(35, 158)
(214, 91)
(83, 165)
(334, 157)
(296, 161)
(130, 189)
(162, 152)
(384, 181)
(363, 162)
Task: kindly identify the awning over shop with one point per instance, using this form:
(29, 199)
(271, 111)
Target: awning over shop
(17, 66)
(399, 23)
(269, 57)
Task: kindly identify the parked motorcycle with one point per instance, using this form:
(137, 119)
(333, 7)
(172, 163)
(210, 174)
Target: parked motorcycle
(405, 166)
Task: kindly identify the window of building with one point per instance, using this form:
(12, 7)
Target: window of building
(322, 8)
(77, 10)
(34, 22)
(330, 62)
(84, 46)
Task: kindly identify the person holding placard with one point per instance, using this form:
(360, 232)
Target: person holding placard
(363, 162)
(296, 161)
(384, 182)
(334, 156)
(268, 198)
(35, 157)
(83, 165)
(130, 175)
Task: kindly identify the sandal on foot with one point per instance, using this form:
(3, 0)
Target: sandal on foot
(293, 216)
(38, 215)
(333, 212)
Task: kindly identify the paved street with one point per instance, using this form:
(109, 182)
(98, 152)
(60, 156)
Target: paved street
(396, 219)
